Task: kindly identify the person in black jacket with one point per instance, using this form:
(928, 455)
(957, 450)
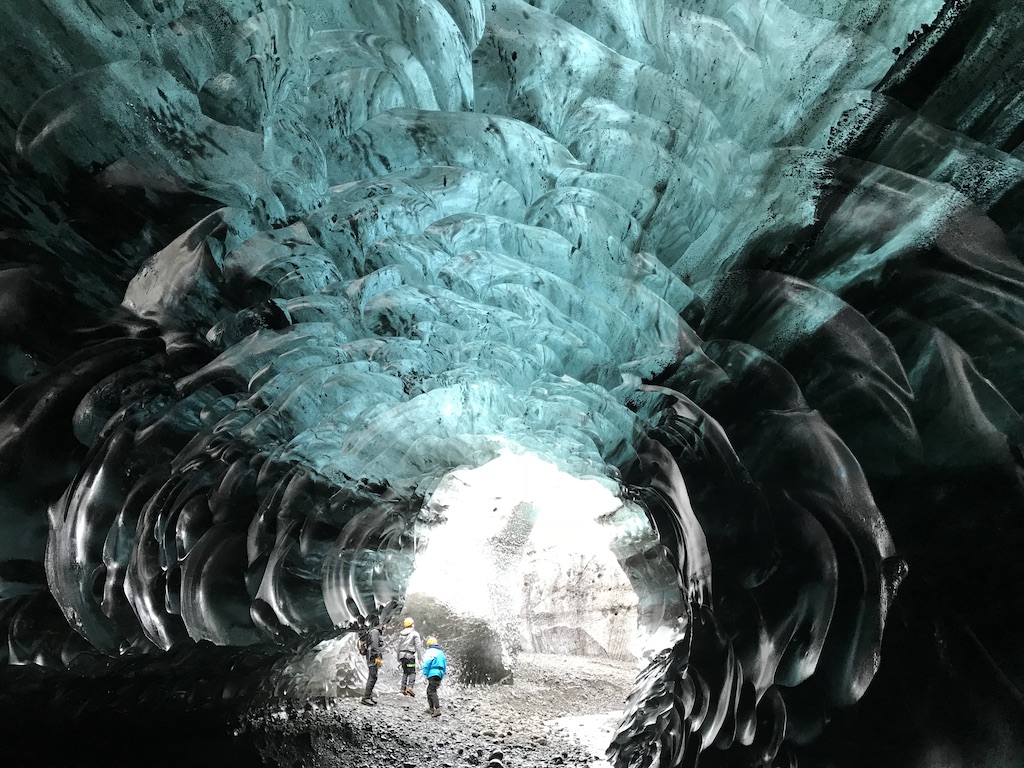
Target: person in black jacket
(374, 659)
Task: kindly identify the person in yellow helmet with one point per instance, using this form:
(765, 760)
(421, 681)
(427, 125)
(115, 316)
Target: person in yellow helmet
(410, 651)
(435, 664)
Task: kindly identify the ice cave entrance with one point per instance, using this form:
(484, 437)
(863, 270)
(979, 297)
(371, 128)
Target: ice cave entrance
(521, 571)
(530, 576)
(529, 552)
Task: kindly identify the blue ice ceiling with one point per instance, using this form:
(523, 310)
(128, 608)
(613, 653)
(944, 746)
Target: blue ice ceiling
(272, 270)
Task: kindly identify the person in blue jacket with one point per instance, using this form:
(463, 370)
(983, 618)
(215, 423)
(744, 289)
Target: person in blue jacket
(435, 664)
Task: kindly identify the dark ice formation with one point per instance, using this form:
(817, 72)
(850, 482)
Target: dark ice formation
(272, 270)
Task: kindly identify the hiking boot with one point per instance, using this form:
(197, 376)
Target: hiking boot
(368, 702)
(405, 691)
(436, 712)
(410, 692)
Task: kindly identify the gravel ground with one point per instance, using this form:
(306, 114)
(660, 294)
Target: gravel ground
(560, 710)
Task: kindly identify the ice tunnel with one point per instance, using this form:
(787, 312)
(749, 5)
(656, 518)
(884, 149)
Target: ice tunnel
(316, 310)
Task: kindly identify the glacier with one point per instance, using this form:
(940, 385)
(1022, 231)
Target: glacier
(732, 288)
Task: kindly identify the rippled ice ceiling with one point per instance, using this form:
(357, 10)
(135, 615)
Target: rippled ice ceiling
(273, 270)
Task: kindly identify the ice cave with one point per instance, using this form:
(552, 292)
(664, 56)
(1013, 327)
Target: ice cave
(686, 332)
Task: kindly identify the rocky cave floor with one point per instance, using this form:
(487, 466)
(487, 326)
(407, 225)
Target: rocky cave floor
(560, 710)
(197, 709)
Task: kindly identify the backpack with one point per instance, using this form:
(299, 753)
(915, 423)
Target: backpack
(364, 642)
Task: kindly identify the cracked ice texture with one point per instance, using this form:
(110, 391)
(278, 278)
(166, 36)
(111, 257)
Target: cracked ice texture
(730, 259)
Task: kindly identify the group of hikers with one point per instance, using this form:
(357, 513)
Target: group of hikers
(411, 651)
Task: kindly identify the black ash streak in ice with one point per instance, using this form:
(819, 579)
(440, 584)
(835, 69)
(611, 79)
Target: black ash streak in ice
(739, 262)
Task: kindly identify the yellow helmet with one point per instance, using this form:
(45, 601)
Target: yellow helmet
(408, 622)
(432, 641)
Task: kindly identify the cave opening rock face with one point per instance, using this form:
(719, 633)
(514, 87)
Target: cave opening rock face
(518, 555)
(279, 277)
(475, 652)
(578, 602)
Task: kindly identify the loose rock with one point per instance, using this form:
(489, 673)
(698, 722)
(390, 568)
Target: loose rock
(496, 726)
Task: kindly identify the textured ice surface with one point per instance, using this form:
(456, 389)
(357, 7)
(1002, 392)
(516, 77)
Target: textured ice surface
(274, 273)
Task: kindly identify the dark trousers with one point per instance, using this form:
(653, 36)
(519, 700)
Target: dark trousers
(408, 673)
(433, 683)
(371, 678)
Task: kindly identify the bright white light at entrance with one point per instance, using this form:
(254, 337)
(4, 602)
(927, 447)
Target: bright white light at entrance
(519, 527)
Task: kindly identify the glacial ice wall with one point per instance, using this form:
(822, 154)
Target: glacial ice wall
(276, 269)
